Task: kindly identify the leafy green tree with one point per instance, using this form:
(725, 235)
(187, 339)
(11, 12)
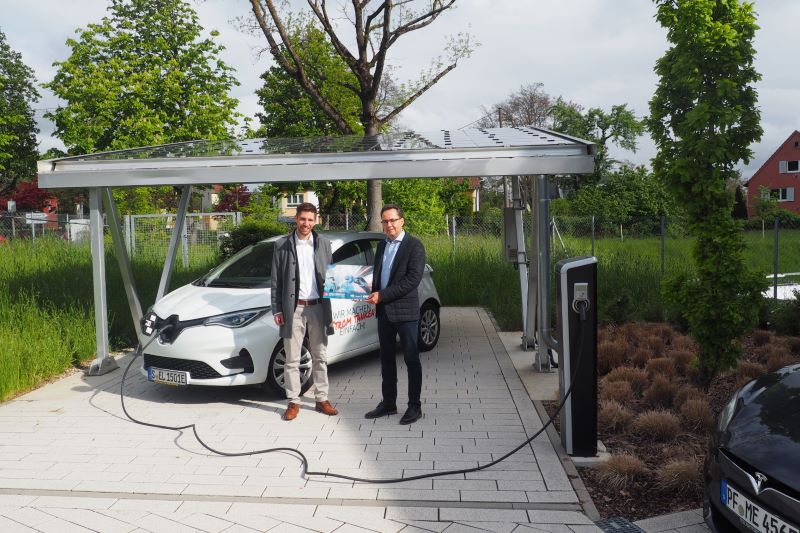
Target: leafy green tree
(421, 201)
(618, 126)
(377, 26)
(290, 112)
(628, 194)
(143, 75)
(703, 118)
(18, 129)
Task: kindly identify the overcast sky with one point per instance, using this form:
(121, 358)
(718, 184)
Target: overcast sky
(593, 52)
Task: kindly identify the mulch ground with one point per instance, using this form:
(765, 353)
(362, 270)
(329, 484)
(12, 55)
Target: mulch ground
(646, 497)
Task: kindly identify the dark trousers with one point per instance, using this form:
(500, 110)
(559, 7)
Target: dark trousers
(408, 332)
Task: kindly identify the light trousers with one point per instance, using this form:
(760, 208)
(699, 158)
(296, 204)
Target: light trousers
(310, 319)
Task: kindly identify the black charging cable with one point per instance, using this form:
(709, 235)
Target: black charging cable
(306, 472)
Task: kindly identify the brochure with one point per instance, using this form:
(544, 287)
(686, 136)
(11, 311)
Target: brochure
(349, 282)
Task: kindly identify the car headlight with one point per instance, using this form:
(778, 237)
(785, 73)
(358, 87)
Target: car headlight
(236, 319)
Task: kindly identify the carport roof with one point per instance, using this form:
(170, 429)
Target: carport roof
(465, 152)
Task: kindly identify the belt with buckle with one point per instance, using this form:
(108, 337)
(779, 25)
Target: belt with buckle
(309, 302)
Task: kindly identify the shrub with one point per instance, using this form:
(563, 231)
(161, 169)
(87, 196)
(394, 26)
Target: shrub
(681, 476)
(656, 425)
(683, 342)
(764, 352)
(761, 337)
(621, 471)
(682, 358)
(661, 366)
(794, 344)
(613, 416)
(610, 355)
(779, 360)
(750, 370)
(619, 391)
(686, 393)
(250, 231)
(636, 377)
(640, 357)
(696, 414)
(655, 344)
(660, 393)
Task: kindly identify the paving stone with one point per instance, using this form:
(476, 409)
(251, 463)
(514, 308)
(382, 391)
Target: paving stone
(483, 515)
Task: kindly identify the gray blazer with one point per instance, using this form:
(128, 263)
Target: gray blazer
(285, 279)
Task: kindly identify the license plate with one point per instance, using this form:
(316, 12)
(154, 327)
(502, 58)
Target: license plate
(753, 515)
(167, 377)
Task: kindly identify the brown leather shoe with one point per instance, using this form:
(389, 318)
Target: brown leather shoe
(326, 408)
(291, 411)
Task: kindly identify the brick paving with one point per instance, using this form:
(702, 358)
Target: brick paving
(71, 461)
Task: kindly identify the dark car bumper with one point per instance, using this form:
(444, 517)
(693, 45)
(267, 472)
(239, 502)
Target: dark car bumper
(773, 497)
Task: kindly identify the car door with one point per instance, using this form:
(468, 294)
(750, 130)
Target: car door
(354, 324)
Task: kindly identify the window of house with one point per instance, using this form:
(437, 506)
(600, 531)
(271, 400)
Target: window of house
(785, 194)
(295, 199)
(788, 166)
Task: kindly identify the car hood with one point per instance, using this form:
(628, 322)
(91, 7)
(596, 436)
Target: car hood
(191, 302)
(765, 431)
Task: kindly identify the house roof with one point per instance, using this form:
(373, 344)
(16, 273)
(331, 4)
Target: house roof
(467, 152)
(771, 157)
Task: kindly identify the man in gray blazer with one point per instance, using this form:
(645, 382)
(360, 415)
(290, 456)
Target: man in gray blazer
(399, 265)
(299, 263)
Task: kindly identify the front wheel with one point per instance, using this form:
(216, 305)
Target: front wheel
(429, 327)
(276, 383)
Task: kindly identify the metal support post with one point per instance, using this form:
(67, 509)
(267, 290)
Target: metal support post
(102, 363)
(528, 337)
(122, 259)
(545, 329)
(180, 219)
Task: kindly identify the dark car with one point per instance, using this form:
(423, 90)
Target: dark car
(752, 474)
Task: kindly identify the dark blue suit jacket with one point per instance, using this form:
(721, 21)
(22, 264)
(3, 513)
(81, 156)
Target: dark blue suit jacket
(399, 299)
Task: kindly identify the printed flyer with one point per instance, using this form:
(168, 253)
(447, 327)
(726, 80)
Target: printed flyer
(350, 282)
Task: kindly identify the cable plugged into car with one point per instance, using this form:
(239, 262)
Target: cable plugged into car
(306, 471)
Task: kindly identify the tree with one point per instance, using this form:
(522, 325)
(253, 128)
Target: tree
(18, 129)
(619, 126)
(703, 120)
(377, 26)
(144, 75)
(530, 106)
(290, 112)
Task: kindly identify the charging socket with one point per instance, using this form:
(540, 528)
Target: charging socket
(580, 292)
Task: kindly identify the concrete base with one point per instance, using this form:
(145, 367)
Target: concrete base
(601, 457)
(542, 386)
(102, 366)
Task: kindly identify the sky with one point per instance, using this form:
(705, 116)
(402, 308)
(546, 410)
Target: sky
(596, 53)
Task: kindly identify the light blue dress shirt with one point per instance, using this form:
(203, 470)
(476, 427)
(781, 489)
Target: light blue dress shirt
(389, 252)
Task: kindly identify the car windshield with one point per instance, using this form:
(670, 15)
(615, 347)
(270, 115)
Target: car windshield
(248, 269)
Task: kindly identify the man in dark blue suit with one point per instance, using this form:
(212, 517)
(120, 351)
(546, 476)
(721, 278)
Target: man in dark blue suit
(399, 265)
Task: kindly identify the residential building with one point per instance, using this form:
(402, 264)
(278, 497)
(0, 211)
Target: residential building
(781, 175)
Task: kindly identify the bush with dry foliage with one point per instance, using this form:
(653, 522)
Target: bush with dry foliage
(749, 370)
(621, 471)
(657, 425)
(761, 337)
(618, 391)
(664, 366)
(636, 377)
(687, 393)
(661, 392)
(681, 476)
(697, 414)
(613, 415)
(683, 359)
(610, 355)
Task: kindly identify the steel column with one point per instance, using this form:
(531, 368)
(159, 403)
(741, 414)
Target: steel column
(102, 363)
(123, 260)
(169, 262)
(522, 258)
(545, 336)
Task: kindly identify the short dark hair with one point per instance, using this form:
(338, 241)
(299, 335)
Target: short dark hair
(396, 207)
(306, 206)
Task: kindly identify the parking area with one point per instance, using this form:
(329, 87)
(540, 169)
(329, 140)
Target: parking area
(70, 460)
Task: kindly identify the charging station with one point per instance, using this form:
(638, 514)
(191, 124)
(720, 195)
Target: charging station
(576, 302)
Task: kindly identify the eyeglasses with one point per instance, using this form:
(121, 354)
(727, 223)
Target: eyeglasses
(388, 221)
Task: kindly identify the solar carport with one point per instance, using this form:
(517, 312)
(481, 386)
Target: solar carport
(513, 152)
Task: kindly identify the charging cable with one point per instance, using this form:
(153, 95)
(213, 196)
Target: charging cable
(306, 472)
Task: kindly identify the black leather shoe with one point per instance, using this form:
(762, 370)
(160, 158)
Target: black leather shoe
(383, 409)
(411, 415)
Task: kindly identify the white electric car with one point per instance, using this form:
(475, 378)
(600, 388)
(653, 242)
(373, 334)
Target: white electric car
(223, 331)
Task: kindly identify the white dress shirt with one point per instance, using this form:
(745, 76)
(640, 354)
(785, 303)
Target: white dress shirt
(389, 252)
(305, 266)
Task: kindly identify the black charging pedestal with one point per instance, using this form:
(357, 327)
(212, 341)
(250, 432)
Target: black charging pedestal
(576, 304)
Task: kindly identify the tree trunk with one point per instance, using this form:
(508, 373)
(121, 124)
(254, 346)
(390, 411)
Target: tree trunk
(374, 187)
